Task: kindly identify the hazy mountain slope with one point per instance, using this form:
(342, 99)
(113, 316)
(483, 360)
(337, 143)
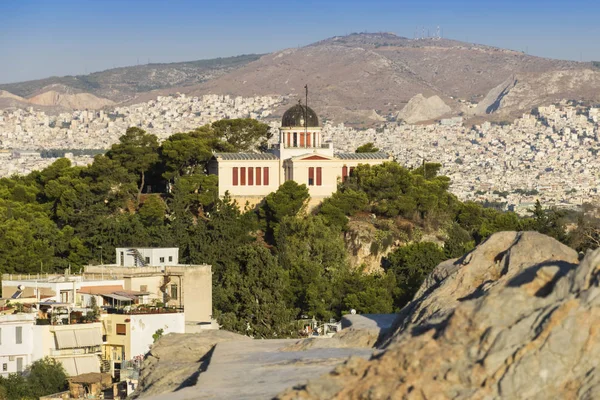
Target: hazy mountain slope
(382, 71)
(119, 84)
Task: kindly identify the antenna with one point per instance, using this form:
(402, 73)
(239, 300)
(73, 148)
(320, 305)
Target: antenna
(306, 113)
(437, 33)
(422, 32)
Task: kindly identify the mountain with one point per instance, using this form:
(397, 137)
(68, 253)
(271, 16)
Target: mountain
(119, 84)
(350, 76)
(359, 79)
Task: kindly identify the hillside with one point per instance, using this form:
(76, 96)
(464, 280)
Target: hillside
(119, 84)
(350, 76)
(359, 79)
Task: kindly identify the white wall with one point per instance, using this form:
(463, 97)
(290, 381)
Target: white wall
(225, 173)
(10, 351)
(154, 254)
(143, 326)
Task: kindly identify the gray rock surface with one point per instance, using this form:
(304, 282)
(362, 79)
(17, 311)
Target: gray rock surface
(514, 319)
(420, 109)
(176, 359)
(259, 369)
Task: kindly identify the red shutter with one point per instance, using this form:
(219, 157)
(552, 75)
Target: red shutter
(302, 139)
(266, 176)
(243, 176)
(258, 171)
(318, 176)
(235, 176)
(308, 140)
(344, 173)
(250, 176)
(311, 176)
(289, 139)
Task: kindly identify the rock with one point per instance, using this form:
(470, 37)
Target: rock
(420, 109)
(176, 359)
(514, 319)
(79, 101)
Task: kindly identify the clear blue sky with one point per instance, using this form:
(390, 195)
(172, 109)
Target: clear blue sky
(44, 37)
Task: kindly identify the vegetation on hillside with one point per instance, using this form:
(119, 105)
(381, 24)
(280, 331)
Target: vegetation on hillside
(271, 266)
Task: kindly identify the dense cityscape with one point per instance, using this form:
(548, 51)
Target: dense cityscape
(535, 157)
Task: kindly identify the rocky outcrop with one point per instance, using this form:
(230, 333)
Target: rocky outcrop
(175, 361)
(420, 109)
(79, 101)
(517, 318)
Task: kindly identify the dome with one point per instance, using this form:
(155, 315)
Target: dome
(294, 117)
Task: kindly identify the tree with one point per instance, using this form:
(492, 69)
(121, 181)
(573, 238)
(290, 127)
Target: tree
(137, 152)
(258, 290)
(411, 264)
(314, 255)
(243, 134)
(289, 200)
(41, 378)
(152, 212)
(367, 148)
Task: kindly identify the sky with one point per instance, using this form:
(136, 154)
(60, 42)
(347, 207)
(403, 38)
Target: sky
(41, 38)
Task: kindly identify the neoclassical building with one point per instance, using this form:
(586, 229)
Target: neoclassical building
(301, 155)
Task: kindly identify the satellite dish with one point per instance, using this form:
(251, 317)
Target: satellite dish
(353, 311)
(20, 287)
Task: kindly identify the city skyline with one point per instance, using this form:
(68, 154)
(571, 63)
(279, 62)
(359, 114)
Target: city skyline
(42, 39)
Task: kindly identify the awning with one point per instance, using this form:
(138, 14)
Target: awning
(80, 365)
(117, 297)
(65, 339)
(88, 337)
(69, 364)
(87, 364)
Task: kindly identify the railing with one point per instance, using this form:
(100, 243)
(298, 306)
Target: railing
(75, 352)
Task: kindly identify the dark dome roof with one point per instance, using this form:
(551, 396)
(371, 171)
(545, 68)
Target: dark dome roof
(294, 117)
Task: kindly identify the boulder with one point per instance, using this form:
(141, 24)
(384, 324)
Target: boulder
(176, 359)
(420, 109)
(517, 318)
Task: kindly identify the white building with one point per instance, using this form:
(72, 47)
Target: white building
(147, 256)
(300, 155)
(16, 342)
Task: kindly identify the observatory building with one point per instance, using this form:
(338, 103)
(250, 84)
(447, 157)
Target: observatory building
(300, 155)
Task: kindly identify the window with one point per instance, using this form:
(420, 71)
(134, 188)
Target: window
(344, 173)
(311, 176)
(266, 176)
(174, 292)
(243, 176)
(295, 139)
(250, 176)
(258, 176)
(351, 170)
(121, 329)
(122, 259)
(302, 139)
(143, 288)
(288, 139)
(19, 364)
(162, 259)
(235, 176)
(4, 367)
(147, 260)
(319, 176)
(308, 140)
(19, 334)
(170, 258)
